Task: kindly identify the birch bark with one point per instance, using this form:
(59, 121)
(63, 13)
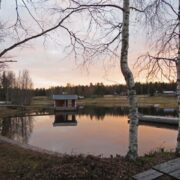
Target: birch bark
(133, 110)
(178, 86)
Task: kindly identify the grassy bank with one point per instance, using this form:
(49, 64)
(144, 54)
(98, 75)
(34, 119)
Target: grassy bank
(113, 101)
(143, 100)
(18, 163)
(38, 104)
(42, 103)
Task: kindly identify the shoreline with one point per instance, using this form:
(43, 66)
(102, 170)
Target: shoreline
(19, 162)
(40, 104)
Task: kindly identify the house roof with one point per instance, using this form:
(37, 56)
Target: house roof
(65, 97)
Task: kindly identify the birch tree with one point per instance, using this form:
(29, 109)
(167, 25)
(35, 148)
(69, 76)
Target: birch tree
(164, 60)
(121, 42)
(110, 20)
(132, 154)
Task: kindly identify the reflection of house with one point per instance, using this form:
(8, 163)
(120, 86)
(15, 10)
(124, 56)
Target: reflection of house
(65, 102)
(65, 120)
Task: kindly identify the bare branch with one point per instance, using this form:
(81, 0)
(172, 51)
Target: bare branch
(39, 34)
(7, 61)
(171, 7)
(96, 5)
(32, 15)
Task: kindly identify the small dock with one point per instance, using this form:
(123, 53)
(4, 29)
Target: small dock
(170, 168)
(159, 119)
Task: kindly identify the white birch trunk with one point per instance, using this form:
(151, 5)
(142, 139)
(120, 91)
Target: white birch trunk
(178, 99)
(178, 87)
(133, 110)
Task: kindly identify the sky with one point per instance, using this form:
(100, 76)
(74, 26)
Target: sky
(49, 64)
(48, 68)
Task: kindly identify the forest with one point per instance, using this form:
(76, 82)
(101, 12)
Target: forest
(19, 90)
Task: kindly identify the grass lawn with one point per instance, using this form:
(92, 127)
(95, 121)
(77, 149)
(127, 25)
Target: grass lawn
(143, 100)
(18, 163)
(111, 101)
(40, 103)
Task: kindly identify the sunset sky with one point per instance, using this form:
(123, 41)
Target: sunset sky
(49, 65)
(50, 68)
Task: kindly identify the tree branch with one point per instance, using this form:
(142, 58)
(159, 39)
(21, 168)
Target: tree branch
(39, 34)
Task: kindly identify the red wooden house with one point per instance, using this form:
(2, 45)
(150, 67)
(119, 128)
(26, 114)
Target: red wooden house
(65, 102)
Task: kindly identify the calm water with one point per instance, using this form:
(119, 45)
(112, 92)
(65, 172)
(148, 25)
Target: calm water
(91, 131)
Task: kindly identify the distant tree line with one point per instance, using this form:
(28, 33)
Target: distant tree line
(19, 89)
(16, 89)
(100, 89)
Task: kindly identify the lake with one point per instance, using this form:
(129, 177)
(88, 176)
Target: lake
(97, 131)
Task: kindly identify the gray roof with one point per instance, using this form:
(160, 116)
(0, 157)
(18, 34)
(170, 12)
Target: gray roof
(65, 97)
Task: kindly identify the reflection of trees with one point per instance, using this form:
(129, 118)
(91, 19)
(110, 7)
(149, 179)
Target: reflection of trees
(17, 128)
(178, 142)
(100, 112)
(1, 120)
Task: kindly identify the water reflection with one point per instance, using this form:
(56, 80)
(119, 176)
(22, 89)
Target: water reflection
(65, 119)
(90, 130)
(178, 143)
(17, 128)
(101, 112)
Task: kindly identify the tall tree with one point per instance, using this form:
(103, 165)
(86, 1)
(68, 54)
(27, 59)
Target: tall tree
(178, 82)
(119, 37)
(7, 82)
(23, 90)
(105, 31)
(164, 60)
(132, 154)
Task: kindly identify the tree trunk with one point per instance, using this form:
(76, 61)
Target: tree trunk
(133, 110)
(178, 87)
